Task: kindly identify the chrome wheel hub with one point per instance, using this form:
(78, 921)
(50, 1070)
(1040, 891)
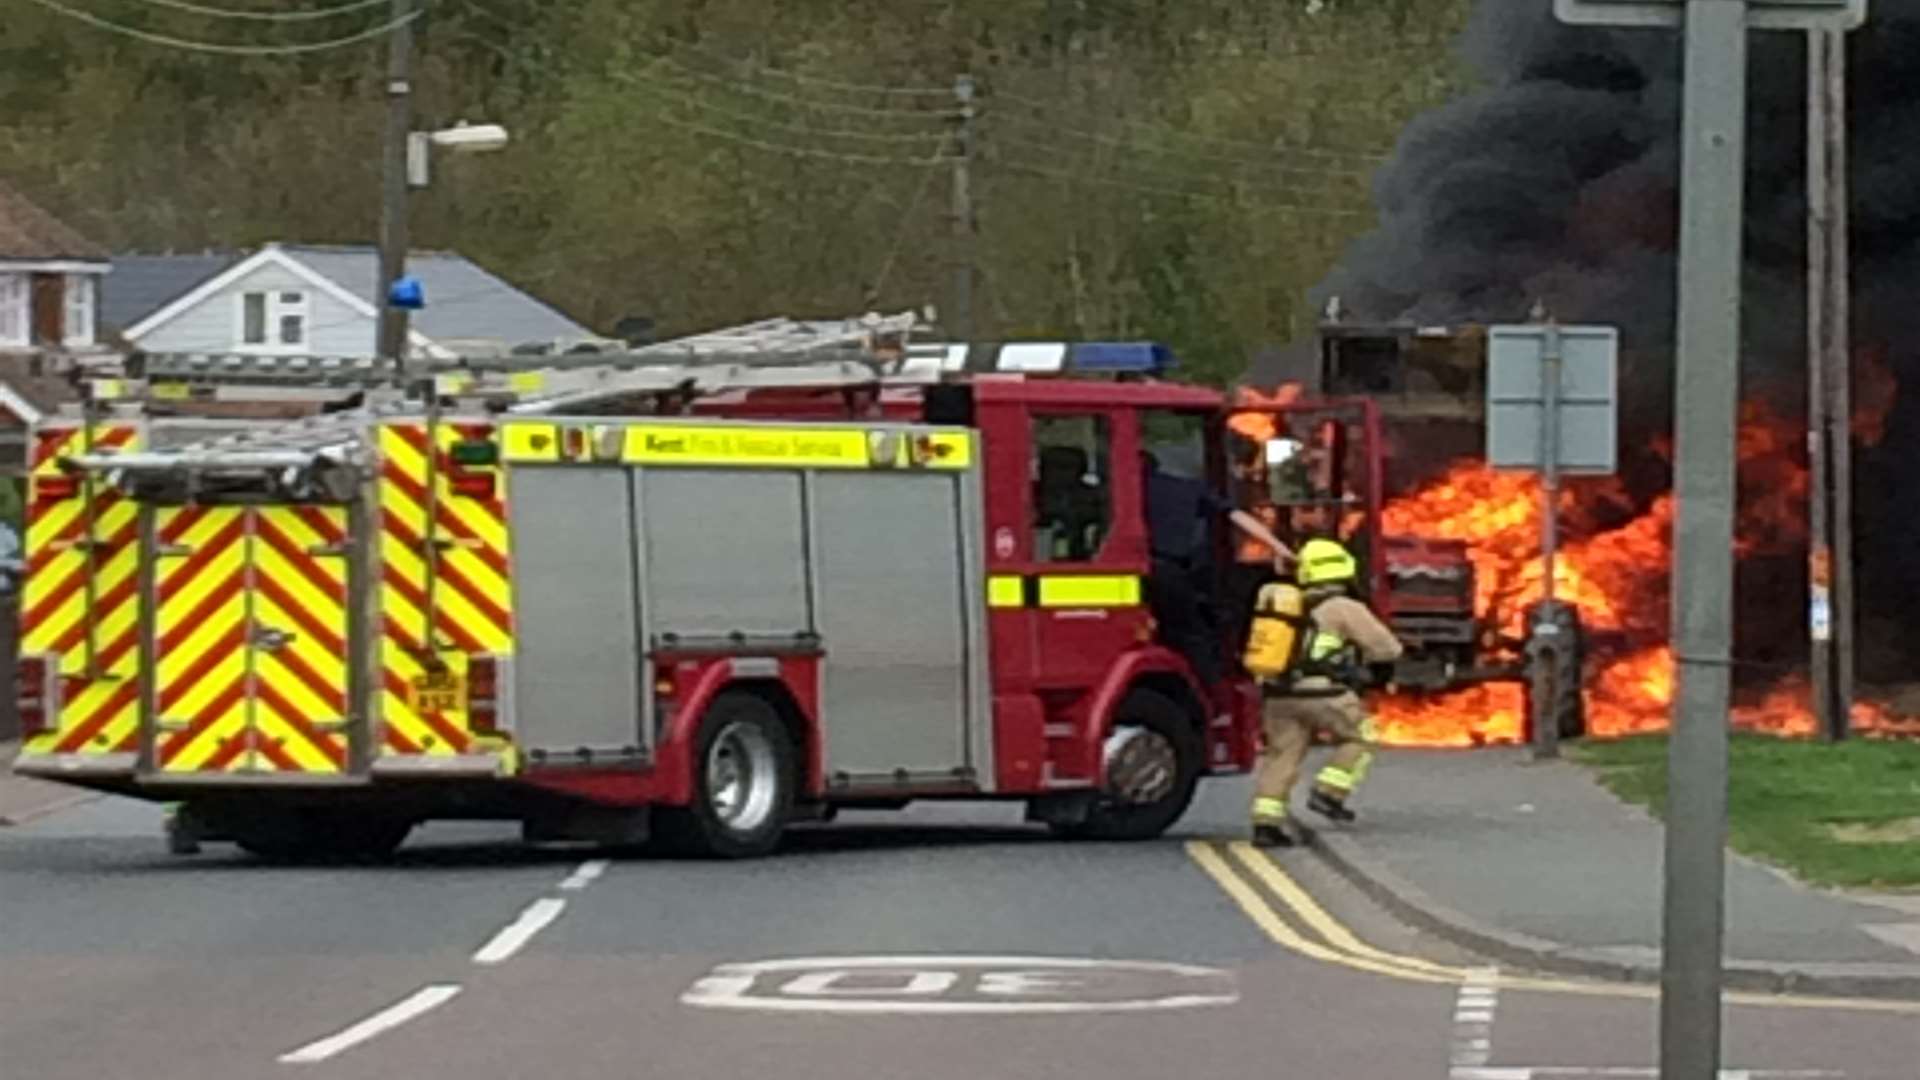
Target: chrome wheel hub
(741, 780)
(1142, 766)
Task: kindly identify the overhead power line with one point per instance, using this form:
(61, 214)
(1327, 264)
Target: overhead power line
(220, 48)
(1354, 174)
(695, 101)
(742, 87)
(1170, 131)
(269, 16)
(877, 89)
(1182, 193)
(798, 151)
(900, 231)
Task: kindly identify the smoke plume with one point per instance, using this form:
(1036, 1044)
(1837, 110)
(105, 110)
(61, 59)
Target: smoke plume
(1556, 180)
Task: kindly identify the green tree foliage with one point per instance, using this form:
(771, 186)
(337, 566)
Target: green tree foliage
(1182, 171)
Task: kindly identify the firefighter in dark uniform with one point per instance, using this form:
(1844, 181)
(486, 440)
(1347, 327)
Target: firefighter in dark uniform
(1180, 515)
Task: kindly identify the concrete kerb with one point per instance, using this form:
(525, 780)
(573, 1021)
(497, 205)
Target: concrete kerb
(1407, 902)
(39, 805)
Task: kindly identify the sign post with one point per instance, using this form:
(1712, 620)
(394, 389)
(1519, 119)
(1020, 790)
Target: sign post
(1706, 409)
(1551, 386)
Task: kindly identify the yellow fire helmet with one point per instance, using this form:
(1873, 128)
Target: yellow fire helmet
(1325, 562)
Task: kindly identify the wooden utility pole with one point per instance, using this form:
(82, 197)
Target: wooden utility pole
(959, 318)
(1829, 397)
(392, 340)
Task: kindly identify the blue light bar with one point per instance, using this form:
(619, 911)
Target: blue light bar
(1143, 357)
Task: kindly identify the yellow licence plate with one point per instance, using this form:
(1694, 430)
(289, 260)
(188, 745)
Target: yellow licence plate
(443, 692)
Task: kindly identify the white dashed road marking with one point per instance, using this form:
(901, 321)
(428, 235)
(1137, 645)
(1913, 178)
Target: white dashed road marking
(587, 873)
(421, 1002)
(517, 933)
(1473, 1010)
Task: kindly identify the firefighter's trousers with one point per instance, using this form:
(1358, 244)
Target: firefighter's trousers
(1289, 724)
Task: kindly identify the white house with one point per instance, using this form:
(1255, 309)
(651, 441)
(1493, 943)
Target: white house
(49, 287)
(49, 280)
(306, 300)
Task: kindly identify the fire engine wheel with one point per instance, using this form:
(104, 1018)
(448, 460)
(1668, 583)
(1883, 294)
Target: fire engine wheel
(1154, 760)
(293, 835)
(743, 783)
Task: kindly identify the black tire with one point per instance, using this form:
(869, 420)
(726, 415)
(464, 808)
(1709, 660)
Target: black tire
(319, 836)
(735, 814)
(1157, 717)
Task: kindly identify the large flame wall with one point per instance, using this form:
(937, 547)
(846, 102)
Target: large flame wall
(1615, 567)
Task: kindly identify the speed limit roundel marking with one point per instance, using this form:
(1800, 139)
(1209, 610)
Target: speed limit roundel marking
(960, 985)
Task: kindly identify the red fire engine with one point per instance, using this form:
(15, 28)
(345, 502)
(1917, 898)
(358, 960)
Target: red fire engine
(693, 594)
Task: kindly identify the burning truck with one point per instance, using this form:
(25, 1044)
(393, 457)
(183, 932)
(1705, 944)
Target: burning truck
(1376, 435)
(1353, 429)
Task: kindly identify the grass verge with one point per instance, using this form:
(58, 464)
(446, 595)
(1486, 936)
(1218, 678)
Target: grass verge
(1844, 815)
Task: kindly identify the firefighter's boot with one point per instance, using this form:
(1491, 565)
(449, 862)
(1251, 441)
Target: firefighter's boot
(1270, 825)
(1330, 806)
(1273, 835)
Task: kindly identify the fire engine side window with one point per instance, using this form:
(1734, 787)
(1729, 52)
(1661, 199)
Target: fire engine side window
(1072, 487)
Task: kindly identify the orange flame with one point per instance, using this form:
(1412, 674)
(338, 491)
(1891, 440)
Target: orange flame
(1617, 577)
(1260, 426)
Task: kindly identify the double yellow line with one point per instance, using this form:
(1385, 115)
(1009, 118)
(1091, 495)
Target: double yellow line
(1295, 921)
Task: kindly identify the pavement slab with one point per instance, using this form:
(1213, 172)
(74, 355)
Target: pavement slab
(23, 798)
(1535, 860)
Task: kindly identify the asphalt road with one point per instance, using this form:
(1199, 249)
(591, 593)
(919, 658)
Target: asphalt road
(948, 942)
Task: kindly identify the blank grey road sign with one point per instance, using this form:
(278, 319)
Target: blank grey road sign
(1761, 14)
(1516, 394)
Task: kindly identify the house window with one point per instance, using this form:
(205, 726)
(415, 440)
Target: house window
(78, 326)
(15, 317)
(273, 320)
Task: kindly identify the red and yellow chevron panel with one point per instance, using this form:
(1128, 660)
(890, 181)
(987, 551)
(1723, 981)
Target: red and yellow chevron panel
(465, 587)
(79, 596)
(250, 639)
(300, 657)
(200, 676)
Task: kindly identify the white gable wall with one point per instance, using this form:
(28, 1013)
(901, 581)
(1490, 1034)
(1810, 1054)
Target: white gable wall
(213, 325)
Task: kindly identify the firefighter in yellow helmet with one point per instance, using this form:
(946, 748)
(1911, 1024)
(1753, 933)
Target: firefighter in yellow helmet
(1317, 693)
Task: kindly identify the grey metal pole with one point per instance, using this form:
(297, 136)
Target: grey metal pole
(391, 342)
(1706, 407)
(959, 318)
(1819, 496)
(1546, 668)
(1839, 363)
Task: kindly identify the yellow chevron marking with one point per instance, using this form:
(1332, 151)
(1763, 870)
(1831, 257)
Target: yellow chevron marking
(197, 755)
(201, 693)
(51, 466)
(473, 532)
(66, 571)
(271, 727)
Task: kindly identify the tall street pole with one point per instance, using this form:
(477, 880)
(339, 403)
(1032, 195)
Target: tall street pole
(959, 318)
(1829, 400)
(1706, 409)
(392, 339)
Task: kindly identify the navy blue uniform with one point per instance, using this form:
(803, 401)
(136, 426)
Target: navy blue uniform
(1180, 516)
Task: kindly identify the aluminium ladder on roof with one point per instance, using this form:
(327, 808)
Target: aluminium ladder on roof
(765, 338)
(771, 353)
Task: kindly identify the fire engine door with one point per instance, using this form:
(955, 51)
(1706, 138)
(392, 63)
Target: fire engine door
(250, 639)
(1082, 597)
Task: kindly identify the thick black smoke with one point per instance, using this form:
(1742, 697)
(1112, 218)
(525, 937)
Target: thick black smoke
(1557, 181)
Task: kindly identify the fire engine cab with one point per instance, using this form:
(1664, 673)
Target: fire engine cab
(690, 593)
